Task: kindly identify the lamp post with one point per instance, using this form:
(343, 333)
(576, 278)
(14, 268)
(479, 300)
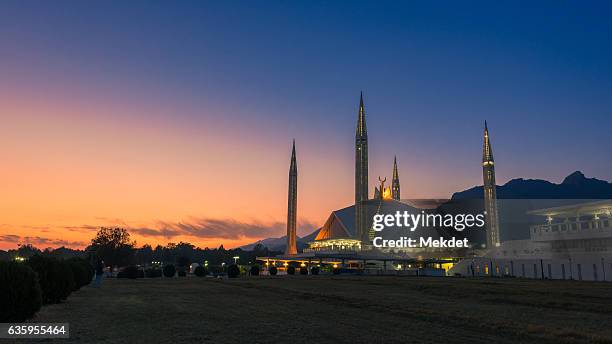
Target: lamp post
(236, 259)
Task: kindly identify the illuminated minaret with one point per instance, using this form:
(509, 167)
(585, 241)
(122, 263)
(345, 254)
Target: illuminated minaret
(292, 207)
(490, 195)
(361, 174)
(395, 185)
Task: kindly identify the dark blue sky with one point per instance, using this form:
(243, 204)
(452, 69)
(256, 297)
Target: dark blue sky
(432, 72)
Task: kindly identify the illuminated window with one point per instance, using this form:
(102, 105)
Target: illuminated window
(486, 269)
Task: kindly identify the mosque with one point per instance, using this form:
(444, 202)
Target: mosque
(346, 238)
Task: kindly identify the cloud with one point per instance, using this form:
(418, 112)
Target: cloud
(81, 228)
(208, 228)
(40, 241)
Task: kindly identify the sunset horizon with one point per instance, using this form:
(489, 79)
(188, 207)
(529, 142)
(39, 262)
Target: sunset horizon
(181, 130)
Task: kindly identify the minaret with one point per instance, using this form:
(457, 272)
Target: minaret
(361, 173)
(292, 207)
(395, 184)
(490, 194)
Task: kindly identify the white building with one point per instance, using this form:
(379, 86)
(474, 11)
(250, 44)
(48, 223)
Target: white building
(573, 242)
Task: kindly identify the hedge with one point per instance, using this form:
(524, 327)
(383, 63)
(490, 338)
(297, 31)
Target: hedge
(55, 277)
(169, 270)
(20, 293)
(255, 270)
(200, 271)
(233, 271)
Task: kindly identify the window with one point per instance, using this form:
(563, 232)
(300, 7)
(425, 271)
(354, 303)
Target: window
(549, 271)
(535, 271)
(486, 269)
(595, 272)
(523, 270)
(579, 272)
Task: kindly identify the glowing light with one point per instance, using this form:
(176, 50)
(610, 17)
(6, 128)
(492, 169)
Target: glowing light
(286, 264)
(302, 265)
(386, 193)
(335, 266)
(19, 259)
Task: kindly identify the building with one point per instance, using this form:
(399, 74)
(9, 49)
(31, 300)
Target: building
(571, 242)
(490, 193)
(361, 172)
(292, 206)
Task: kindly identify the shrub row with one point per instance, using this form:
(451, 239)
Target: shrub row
(25, 287)
(200, 271)
(131, 272)
(20, 293)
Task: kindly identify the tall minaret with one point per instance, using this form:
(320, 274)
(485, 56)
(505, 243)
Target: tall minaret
(361, 174)
(490, 195)
(292, 207)
(395, 185)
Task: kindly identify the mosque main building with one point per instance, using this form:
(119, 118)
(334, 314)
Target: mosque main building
(573, 242)
(347, 235)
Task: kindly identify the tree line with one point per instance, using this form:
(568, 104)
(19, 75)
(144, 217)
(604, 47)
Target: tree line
(116, 248)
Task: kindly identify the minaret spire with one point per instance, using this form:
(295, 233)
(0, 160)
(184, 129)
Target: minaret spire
(487, 152)
(490, 192)
(292, 206)
(361, 173)
(395, 183)
(361, 122)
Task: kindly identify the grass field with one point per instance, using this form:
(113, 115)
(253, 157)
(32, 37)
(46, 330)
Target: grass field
(325, 309)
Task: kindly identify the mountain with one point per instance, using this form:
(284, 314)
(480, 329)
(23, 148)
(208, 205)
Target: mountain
(516, 197)
(574, 186)
(279, 244)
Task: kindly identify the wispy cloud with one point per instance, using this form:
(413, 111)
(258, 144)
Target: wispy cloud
(40, 241)
(208, 228)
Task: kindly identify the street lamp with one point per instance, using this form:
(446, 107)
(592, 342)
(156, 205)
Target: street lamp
(236, 259)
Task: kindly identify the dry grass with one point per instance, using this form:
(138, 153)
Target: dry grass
(320, 309)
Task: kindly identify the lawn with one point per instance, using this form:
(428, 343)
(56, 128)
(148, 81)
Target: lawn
(339, 309)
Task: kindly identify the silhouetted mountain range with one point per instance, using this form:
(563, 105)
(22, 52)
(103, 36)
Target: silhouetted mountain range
(574, 186)
(516, 198)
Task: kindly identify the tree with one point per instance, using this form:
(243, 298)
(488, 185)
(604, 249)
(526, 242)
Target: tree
(113, 245)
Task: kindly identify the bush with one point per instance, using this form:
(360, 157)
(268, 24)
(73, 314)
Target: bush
(55, 278)
(153, 272)
(200, 271)
(169, 270)
(20, 293)
(314, 270)
(182, 273)
(131, 271)
(291, 270)
(233, 271)
(255, 270)
(82, 272)
(273, 270)
(303, 270)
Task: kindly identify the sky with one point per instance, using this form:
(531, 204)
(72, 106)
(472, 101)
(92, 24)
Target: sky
(175, 119)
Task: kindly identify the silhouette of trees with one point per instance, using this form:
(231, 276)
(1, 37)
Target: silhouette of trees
(113, 245)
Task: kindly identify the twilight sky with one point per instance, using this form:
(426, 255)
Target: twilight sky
(175, 119)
